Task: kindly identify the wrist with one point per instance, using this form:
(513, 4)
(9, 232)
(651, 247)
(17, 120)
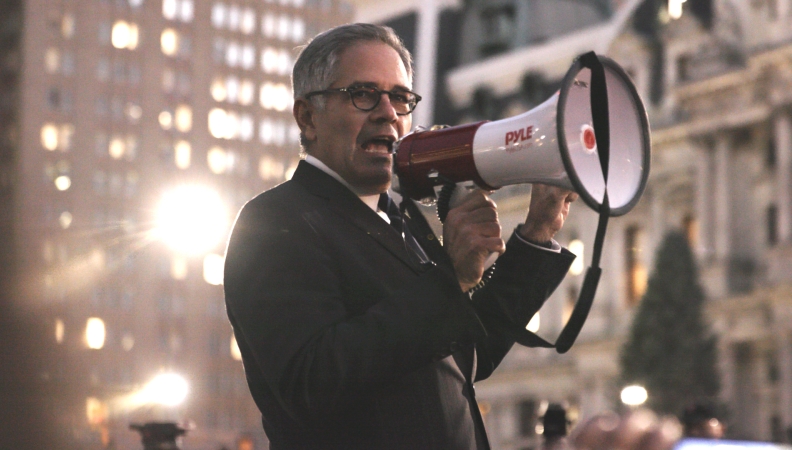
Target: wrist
(537, 237)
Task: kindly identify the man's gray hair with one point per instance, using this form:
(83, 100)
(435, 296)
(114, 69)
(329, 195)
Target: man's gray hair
(317, 64)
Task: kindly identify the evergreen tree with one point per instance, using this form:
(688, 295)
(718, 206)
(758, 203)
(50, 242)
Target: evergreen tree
(670, 350)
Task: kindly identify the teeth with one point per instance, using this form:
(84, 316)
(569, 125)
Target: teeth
(378, 147)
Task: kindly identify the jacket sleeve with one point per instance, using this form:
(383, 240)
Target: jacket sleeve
(524, 278)
(284, 295)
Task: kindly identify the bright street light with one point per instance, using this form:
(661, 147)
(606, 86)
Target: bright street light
(168, 389)
(634, 395)
(191, 219)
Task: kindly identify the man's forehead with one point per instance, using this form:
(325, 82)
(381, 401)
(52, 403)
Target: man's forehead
(367, 63)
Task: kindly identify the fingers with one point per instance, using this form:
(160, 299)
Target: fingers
(471, 233)
(548, 211)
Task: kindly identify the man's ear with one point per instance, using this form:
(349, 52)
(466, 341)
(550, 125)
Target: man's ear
(303, 112)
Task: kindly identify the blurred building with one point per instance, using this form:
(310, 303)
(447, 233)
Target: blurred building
(131, 131)
(715, 78)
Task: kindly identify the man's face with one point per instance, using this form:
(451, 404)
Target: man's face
(356, 144)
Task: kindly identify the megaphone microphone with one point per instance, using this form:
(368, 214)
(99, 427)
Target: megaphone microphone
(591, 137)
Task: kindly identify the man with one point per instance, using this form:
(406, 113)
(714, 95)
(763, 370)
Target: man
(354, 335)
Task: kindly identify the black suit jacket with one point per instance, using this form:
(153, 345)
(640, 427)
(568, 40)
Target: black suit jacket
(348, 342)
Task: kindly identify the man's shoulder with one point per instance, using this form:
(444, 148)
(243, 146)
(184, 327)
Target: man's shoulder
(288, 193)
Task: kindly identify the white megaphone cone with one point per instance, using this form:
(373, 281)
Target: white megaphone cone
(591, 137)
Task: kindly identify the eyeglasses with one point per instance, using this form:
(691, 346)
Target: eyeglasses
(366, 98)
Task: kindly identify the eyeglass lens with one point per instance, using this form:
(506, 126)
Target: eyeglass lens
(368, 99)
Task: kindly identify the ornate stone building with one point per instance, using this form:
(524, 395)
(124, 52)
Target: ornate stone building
(716, 83)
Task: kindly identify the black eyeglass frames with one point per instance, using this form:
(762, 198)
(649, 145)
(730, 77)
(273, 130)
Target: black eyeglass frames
(366, 98)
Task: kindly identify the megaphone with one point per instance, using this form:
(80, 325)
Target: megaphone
(554, 143)
(591, 137)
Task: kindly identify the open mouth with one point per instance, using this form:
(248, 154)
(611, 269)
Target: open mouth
(379, 145)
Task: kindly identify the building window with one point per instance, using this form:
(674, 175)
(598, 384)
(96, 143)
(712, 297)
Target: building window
(275, 96)
(498, 29)
(67, 26)
(124, 35)
(174, 44)
(691, 227)
(771, 218)
(57, 136)
(182, 10)
(527, 418)
(636, 272)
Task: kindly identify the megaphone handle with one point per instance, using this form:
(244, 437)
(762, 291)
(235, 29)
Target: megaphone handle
(444, 200)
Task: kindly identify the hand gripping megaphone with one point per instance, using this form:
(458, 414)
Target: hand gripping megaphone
(591, 137)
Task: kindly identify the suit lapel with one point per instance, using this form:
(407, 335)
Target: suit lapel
(347, 205)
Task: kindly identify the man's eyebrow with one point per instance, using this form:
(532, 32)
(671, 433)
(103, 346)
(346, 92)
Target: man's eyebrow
(355, 84)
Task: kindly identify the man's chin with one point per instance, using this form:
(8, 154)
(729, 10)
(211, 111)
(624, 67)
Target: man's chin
(375, 183)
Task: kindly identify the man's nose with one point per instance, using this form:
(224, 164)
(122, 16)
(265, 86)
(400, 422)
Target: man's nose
(384, 110)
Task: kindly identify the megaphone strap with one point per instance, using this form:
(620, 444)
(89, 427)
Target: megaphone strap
(600, 120)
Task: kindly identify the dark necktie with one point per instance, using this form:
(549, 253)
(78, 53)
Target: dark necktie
(387, 205)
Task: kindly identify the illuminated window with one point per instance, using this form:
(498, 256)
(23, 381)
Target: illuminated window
(182, 10)
(65, 219)
(57, 137)
(232, 54)
(218, 90)
(268, 25)
(234, 17)
(246, 92)
(272, 132)
(232, 88)
(67, 26)
(247, 22)
(127, 341)
(183, 118)
(217, 161)
(576, 246)
(245, 131)
(218, 15)
(636, 272)
(117, 147)
(217, 122)
(284, 24)
(133, 112)
(182, 152)
(178, 269)
(165, 120)
(124, 35)
(298, 30)
(52, 60)
(213, 269)
(275, 96)
(248, 56)
(269, 60)
(169, 42)
(60, 330)
(294, 134)
(271, 169)
(95, 333)
(284, 63)
(95, 411)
